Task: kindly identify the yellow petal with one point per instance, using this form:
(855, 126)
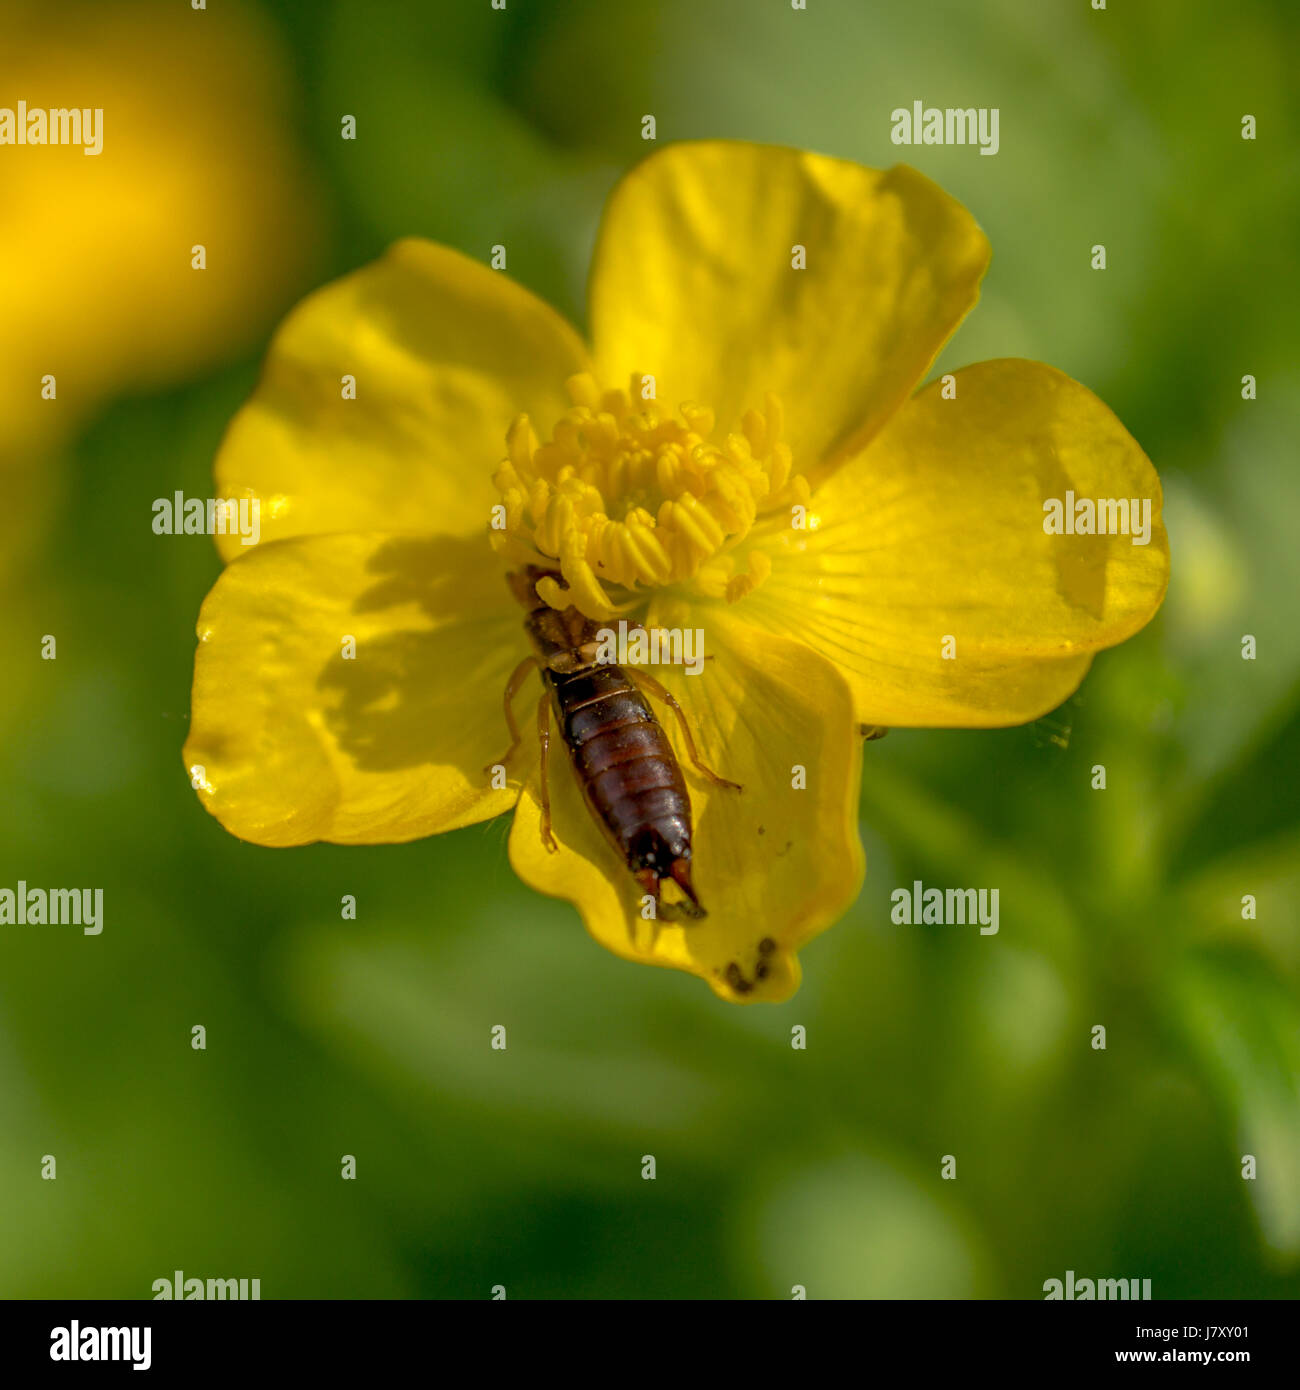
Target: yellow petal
(773, 865)
(443, 353)
(936, 531)
(291, 740)
(693, 284)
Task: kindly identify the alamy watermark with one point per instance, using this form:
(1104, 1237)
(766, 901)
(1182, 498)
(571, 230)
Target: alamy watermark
(955, 125)
(951, 907)
(193, 1289)
(59, 125)
(179, 515)
(77, 1343)
(1100, 1290)
(1100, 516)
(54, 907)
(651, 646)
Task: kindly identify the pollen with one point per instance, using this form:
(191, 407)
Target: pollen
(625, 498)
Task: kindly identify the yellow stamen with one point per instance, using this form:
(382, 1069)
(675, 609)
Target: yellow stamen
(625, 498)
(741, 585)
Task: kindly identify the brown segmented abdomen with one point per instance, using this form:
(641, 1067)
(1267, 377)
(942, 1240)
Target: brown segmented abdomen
(621, 756)
(625, 765)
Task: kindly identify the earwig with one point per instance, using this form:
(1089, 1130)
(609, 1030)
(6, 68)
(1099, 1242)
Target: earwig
(625, 765)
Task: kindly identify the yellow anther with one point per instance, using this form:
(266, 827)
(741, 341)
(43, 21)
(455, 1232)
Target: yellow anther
(625, 497)
(583, 390)
(521, 444)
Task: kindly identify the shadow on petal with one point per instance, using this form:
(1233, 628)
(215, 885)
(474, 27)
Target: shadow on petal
(406, 698)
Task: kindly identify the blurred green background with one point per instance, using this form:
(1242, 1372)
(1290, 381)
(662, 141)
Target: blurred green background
(776, 1167)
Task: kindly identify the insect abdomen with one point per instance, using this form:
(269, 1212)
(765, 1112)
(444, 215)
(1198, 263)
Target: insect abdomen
(625, 765)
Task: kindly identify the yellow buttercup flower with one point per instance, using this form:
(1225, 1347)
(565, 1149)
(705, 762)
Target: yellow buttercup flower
(738, 452)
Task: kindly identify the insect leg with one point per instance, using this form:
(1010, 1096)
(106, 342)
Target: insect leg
(512, 689)
(544, 740)
(661, 692)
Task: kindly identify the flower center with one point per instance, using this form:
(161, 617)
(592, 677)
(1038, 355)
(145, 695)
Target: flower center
(625, 498)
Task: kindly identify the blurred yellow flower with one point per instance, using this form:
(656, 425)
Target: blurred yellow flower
(98, 288)
(855, 555)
